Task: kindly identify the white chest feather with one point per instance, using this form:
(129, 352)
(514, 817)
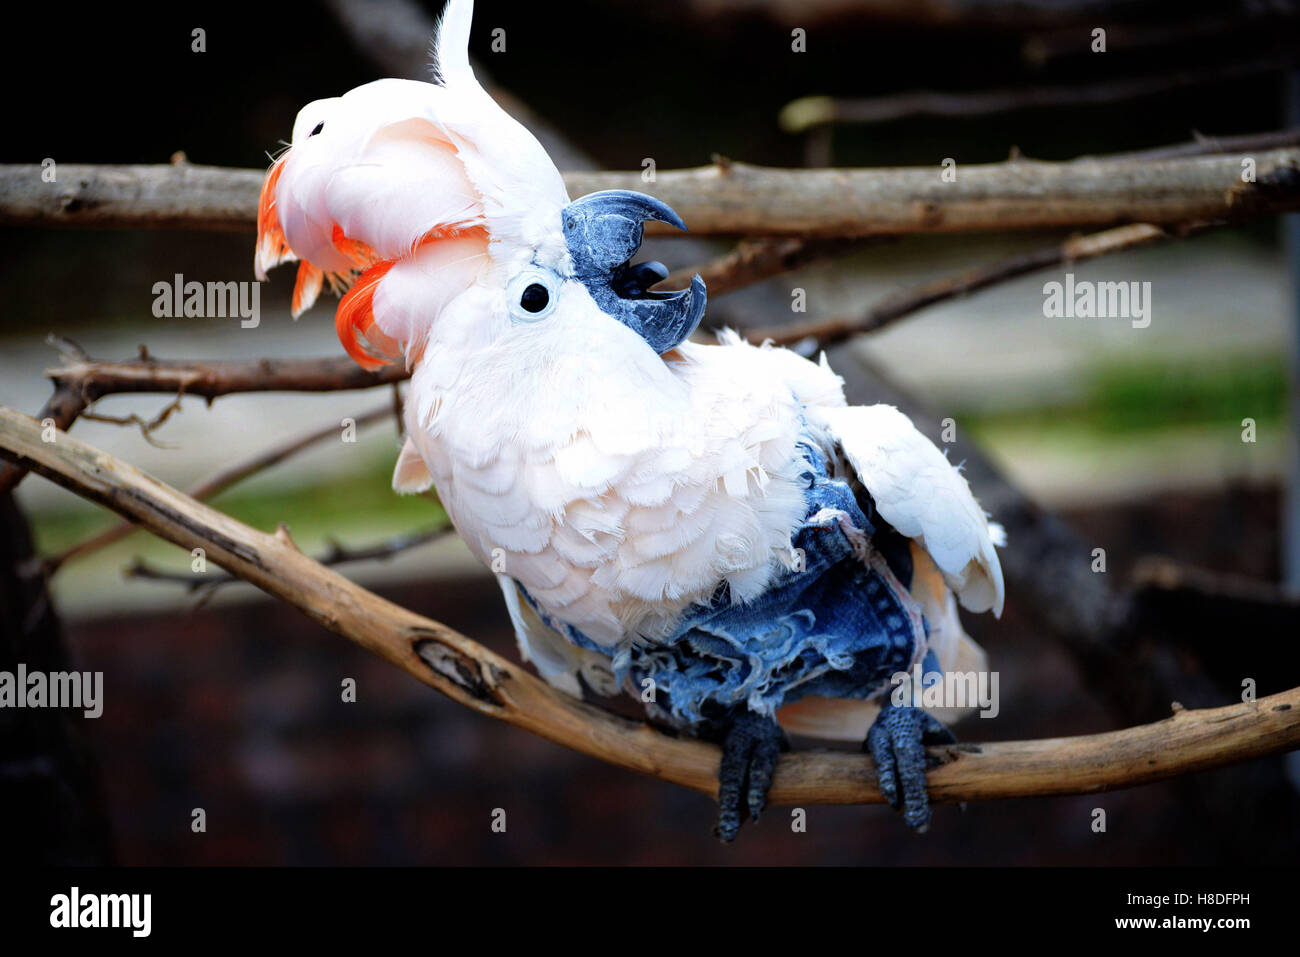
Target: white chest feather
(617, 502)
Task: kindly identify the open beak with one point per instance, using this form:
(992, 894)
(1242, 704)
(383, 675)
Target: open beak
(603, 232)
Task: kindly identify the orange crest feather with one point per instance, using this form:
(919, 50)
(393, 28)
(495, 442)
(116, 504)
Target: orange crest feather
(272, 247)
(354, 321)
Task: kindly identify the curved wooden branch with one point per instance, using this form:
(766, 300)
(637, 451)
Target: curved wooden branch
(739, 199)
(477, 678)
(1083, 611)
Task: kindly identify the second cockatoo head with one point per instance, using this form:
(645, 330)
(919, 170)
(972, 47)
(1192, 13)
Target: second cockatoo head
(445, 221)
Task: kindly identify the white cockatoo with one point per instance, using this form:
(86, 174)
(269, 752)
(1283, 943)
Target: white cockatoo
(709, 527)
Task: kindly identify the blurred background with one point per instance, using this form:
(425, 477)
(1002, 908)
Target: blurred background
(232, 704)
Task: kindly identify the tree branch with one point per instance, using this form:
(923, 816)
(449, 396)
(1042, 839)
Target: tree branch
(92, 380)
(219, 483)
(827, 332)
(753, 260)
(1191, 609)
(81, 381)
(810, 112)
(738, 199)
(477, 678)
(338, 554)
(1202, 145)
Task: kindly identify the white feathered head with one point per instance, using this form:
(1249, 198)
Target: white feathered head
(411, 194)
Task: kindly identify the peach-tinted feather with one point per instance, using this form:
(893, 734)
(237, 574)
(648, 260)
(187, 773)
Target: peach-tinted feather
(272, 248)
(355, 321)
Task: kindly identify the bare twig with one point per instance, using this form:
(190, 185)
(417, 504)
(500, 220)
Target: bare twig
(337, 554)
(753, 260)
(217, 484)
(81, 381)
(1165, 575)
(92, 380)
(1202, 145)
(1191, 609)
(394, 35)
(147, 427)
(1075, 249)
(807, 113)
(472, 675)
(739, 199)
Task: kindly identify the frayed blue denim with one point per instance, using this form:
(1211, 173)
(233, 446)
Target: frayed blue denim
(835, 622)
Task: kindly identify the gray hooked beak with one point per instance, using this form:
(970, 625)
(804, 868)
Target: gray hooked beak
(603, 232)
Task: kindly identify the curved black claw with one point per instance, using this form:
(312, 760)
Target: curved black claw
(896, 743)
(750, 747)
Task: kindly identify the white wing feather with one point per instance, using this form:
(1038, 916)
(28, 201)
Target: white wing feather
(915, 487)
(919, 492)
(558, 661)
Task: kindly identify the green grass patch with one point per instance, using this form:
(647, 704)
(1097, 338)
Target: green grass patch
(1125, 399)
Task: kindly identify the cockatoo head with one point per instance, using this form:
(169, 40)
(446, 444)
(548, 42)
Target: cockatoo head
(447, 222)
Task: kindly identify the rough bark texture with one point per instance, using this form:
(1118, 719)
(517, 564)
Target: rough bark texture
(738, 199)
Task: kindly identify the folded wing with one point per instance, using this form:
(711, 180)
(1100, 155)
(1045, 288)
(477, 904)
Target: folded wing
(923, 495)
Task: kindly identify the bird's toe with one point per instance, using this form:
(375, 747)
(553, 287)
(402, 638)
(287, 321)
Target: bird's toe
(897, 742)
(750, 748)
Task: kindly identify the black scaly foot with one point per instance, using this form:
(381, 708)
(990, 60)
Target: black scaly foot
(750, 746)
(896, 743)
